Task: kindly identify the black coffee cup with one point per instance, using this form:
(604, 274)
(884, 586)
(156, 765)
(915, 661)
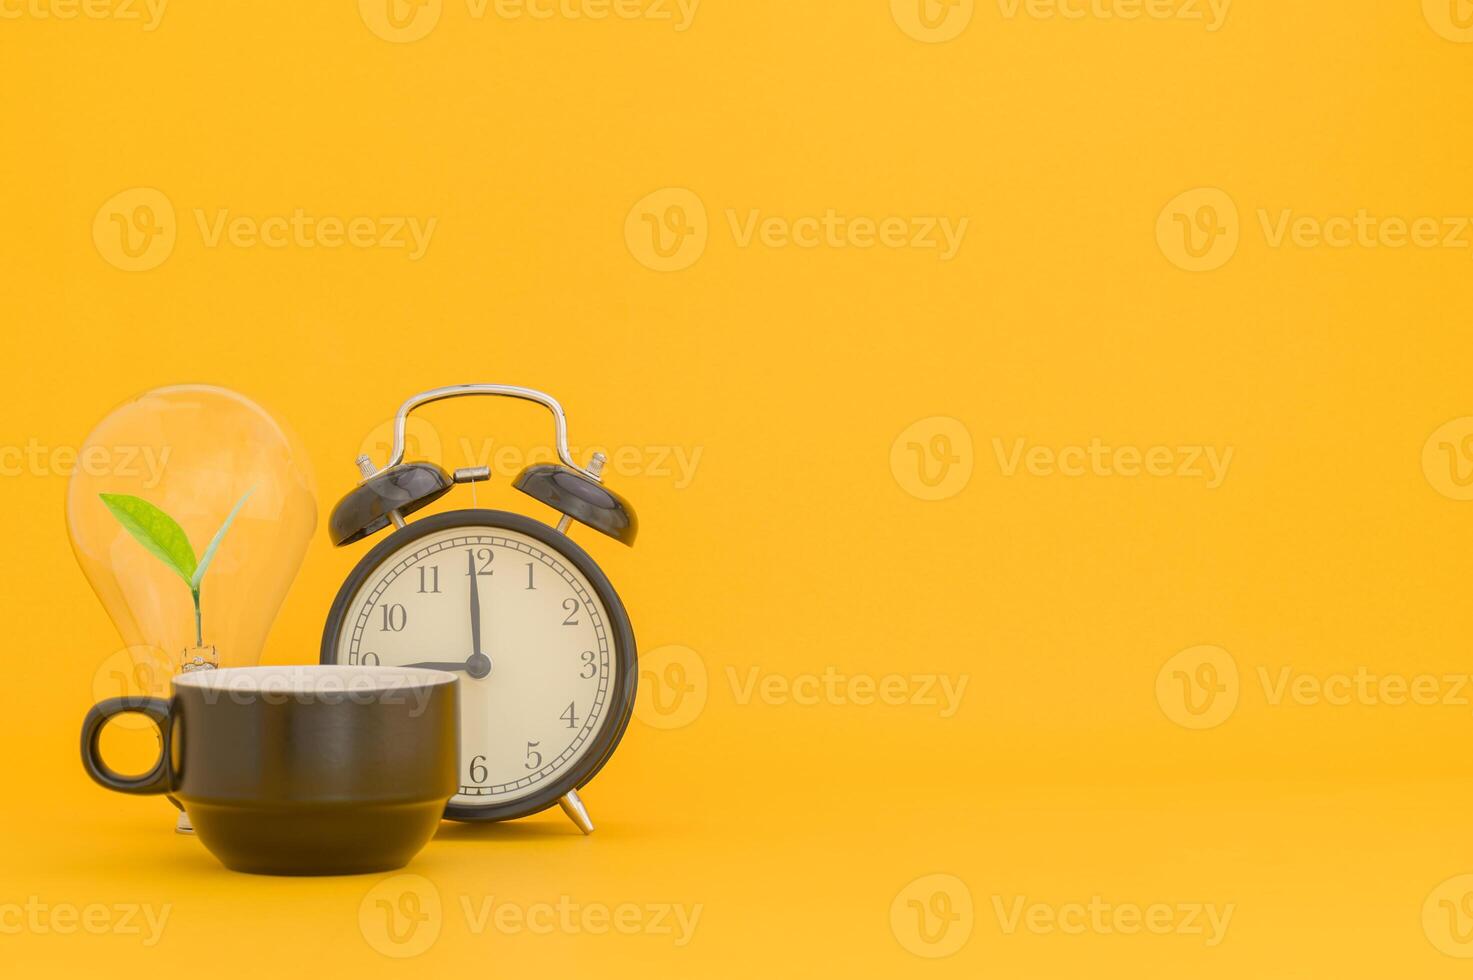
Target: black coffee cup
(311, 770)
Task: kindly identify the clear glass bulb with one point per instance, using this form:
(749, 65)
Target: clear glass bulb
(193, 452)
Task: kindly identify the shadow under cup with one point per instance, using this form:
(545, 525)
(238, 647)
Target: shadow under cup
(308, 770)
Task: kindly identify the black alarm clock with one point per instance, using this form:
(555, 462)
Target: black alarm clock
(539, 637)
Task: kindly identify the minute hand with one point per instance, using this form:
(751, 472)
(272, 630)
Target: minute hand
(475, 608)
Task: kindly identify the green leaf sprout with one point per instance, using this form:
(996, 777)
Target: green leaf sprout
(166, 540)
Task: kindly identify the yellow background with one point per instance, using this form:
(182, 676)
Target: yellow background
(798, 546)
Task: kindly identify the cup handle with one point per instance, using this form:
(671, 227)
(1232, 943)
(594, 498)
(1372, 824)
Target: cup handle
(156, 780)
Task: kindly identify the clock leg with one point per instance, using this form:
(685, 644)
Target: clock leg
(181, 823)
(576, 811)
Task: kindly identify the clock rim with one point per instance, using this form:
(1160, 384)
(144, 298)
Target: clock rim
(621, 633)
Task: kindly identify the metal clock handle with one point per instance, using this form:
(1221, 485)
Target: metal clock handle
(509, 391)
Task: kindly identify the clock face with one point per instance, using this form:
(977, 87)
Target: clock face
(525, 629)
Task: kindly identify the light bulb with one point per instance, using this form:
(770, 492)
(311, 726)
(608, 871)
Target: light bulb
(191, 453)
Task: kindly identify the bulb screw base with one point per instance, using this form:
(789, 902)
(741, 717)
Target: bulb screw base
(199, 658)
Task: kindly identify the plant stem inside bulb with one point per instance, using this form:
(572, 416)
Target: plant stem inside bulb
(199, 636)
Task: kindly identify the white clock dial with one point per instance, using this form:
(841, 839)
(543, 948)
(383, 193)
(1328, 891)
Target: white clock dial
(536, 691)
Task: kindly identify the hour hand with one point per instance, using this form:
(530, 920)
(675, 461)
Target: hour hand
(478, 665)
(437, 665)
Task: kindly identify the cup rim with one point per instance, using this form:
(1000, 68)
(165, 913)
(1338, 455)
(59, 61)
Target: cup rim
(313, 678)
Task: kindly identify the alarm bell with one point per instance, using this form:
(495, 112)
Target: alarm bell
(387, 495)
(567, 490)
